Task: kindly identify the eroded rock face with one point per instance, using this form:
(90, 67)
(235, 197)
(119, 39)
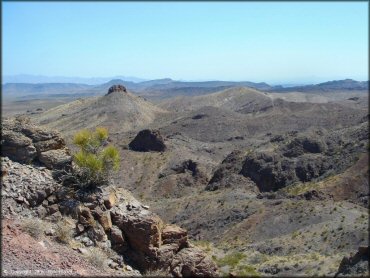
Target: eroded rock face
(24, 142)
(148, 140)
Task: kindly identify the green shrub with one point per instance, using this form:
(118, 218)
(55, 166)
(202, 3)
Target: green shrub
(231, 260)
(95, 160)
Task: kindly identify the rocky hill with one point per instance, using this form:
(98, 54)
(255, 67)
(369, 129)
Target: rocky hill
(119, 110)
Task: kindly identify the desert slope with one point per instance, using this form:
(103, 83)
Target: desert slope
(119, 111)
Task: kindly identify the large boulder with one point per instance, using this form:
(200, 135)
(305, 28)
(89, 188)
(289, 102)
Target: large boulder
(148, 140)
(141, 228)
(17, 147)
(172, 234)
(55, 159)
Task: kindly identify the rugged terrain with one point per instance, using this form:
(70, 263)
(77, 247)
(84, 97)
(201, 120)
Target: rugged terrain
(267, 182)
(75, 232)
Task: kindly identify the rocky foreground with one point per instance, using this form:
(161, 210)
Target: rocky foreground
(49, 229)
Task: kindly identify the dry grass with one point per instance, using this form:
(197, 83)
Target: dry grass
(64, 232)
(97, 257)
(34, 227)
(157, 273)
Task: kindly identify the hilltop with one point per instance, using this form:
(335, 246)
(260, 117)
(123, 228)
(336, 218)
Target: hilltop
(119, 111)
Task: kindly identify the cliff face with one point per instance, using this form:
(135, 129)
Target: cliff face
(110, 219)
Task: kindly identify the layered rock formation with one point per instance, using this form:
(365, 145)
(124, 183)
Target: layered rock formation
(24, 142)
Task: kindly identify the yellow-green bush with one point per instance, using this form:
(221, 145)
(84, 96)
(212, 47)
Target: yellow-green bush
(96, 160)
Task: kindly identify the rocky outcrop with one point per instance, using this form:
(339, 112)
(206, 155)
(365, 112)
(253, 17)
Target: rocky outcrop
(154, 245)
(24, 142)
(270, 171)
(25, 187)
(148, 140)
(228, 174)
(117, 88)
(356, 265)
(304, 144)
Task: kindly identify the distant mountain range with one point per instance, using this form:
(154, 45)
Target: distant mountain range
(164, 88)
(34, 79)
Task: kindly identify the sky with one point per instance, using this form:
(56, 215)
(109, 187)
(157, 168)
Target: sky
(277, 42)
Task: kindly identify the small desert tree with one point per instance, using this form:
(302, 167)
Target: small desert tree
(96, 160)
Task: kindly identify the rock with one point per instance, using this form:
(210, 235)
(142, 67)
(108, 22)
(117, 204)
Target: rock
(87, 242)
(91, 206)
(50, 232)
(41, 212)
(52, 199)
(53, 208)
(110, 200)
(52, 144)
(116, 88)
(26, 187)
(57, 216)
(313, 195)
(148, 140)
(82, 250)
(24, 142)
(192, 262)
(17, 147)
(128, 268)
(355, 265)
(103, 218)
(116, 235)
(56, 159)
(96, 233)
(85, 216)
(142, 231)
(69, 206)
(113, 265)
(165, 254)
(80, 228)
(172, 234)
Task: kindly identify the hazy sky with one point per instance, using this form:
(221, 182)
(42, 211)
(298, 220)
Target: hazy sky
(273, 42)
